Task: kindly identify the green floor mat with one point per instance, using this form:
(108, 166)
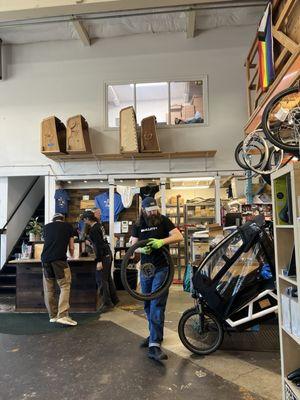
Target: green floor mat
(38, 323)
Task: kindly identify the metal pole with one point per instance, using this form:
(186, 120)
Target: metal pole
(218, 199)
(163, 195)
(111, 183)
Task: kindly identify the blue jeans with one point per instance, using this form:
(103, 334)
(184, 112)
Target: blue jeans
(155, 309)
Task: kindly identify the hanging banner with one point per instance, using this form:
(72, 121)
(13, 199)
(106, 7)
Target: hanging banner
(265, 50)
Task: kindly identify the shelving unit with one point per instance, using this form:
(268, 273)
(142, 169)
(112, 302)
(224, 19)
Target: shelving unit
(248, 210)
(176, 215)
(206, 213)
(286, 237)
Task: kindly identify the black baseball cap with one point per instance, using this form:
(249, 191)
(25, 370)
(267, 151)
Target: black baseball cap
(149, 204)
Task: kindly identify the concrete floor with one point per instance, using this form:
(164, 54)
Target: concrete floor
(101, 359)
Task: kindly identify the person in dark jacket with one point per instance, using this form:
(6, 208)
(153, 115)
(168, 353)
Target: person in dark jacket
(104, 261)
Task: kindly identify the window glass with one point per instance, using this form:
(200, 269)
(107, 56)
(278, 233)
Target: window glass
(186, 102)
(152, 99)
(118, 97)
(172, 103)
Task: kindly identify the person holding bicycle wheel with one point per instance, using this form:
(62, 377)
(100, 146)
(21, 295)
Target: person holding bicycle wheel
(161, 232)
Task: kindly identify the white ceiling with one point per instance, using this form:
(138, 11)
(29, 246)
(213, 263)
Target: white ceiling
(98, 27)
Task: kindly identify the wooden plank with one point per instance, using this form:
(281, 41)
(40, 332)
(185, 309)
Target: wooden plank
(190, 24)
(285, 41)
(81, 31)
(249, 88)
(136, 156)
(286, 78)
(286, 10)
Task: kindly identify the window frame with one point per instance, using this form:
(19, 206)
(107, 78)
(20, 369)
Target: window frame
(203, 77)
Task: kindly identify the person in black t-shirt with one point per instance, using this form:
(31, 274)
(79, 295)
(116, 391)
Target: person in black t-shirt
(104, 261)
(161, 232)
(58, 236)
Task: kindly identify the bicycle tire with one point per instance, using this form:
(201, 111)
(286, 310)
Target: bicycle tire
(264, 159)
(265, 117)
(244, 166)
(181, 331)
(157, 293)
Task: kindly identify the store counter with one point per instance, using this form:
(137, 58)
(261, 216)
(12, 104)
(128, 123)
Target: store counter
(29, 285)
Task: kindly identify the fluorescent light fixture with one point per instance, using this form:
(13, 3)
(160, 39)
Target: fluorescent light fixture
(85, 181)
(69, 181)
(101, 181)
(190, 187)
(199, 179)
(149, 84)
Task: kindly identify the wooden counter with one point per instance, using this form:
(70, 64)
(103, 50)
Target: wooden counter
(29, 287)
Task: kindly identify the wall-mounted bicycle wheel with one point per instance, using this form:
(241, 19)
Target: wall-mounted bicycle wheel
(281, 120)
(155, 287)
(239, 156)
(256, 151)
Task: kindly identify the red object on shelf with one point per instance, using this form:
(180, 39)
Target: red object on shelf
(177, 281)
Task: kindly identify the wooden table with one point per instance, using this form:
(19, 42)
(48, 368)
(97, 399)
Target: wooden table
(29, 285)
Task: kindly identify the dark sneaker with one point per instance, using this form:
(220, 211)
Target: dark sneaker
(144, 343)
(156, 353)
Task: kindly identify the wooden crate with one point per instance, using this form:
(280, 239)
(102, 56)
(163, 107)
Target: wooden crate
(78, 139)
(128, 131)
(149, 140)
(53, 136)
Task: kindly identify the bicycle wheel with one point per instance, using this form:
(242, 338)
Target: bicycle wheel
(240, 157)
(146, 271)
(281, 120)
(256, 151)
(200, 333)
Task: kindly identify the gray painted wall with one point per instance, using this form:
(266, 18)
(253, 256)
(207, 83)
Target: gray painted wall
(65, 79)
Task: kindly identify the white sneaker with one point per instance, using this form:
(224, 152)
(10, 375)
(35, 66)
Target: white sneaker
(53, 319)
(66, 321)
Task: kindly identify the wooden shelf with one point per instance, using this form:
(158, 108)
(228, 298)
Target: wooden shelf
(295, 338)
(135, 156)
(287, 78)
(293, 387)
(288, 279)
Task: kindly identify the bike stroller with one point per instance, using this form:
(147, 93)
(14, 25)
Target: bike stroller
(234, 288)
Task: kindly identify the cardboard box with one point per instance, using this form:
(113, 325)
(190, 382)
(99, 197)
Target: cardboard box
(84, 204)
(286, 312)
(37, 250)
(174, 114)
(295, 316)
(188, 111)
(197, 101)
(215, 230)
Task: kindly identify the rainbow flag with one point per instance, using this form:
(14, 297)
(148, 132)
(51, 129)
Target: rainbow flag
(265, 50)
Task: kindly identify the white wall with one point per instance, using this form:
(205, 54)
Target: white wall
(65, 79)
(16, 188)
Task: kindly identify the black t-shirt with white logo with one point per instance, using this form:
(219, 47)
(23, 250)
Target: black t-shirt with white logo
(56, 236)
(143, 232)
